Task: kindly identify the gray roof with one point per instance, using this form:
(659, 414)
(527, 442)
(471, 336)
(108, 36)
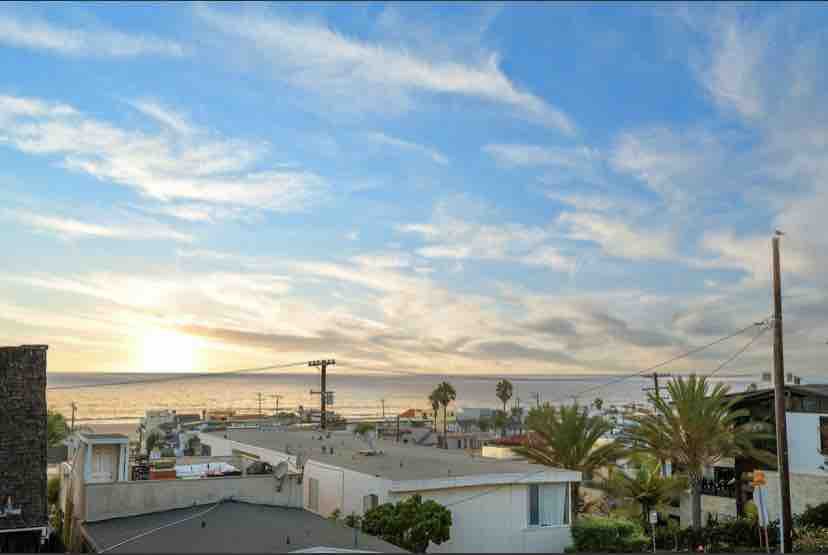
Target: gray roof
(231, 527)
(397, 461)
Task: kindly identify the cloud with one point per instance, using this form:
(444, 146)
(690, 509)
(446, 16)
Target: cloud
(514, 350)
(166, 166)
(434, 155)
(82, 42)
(323, 60)
(617, 238)
(70, 228)
(533, 155)
(163, 115)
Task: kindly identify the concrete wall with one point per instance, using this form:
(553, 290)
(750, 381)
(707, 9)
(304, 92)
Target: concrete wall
(220, 447)
(23, 434)
(120, 499)
(341, 488)
(499, 452)
(806, 489)
(719, 507)
(496, 521)
(804, 443)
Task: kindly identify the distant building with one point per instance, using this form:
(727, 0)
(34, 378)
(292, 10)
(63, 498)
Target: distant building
(496, 505)
(153, 419)
(23, 510)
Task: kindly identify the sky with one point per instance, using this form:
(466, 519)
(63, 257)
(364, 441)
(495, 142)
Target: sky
(548, 188)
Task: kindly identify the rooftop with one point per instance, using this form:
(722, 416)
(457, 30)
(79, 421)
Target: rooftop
(105, 438)
(396, 462)
(229, 527)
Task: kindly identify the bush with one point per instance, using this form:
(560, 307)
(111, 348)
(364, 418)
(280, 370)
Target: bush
(739, 534)
(53, 490)
(811, 539)
(608, 535)
(815, 516)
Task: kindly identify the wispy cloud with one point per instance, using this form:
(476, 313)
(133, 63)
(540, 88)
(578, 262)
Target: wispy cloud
(617, 238)
(96, 42)
(166, 166)
(163, 115)
(319, 58)
(534, 155)
(383, 139)
(70, 228)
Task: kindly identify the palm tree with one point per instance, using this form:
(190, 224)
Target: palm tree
(568, 437)
(504, 392)
(695, 430)
(56, 428)
(647, 487)
(434, 399)
(445, 394)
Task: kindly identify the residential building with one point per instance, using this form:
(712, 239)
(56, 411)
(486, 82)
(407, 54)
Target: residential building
(725, 492)
(23, 461)
(229, 527)
(153, 419)
(496, 505)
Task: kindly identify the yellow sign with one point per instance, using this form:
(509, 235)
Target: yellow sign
(759, 478)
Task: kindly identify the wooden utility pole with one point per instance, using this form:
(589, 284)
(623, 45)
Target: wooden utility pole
(74, 408)
(276, 409)
(323, 393)
(382, 402)
(259, 395)
(779, 404)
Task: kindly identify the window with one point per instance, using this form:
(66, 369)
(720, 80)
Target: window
(548, 504)
(810, 404)
(369, 502)
(313, 494)
(823, 434)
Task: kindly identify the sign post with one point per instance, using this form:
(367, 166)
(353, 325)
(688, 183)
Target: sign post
(760, 497)
(653, 522)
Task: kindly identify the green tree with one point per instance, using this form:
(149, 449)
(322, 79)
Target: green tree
(445, 394)
(501, 421)
(647, 487)
(598, 403)
(484, 424)
(154, 439)
(411, 524)
(56, 429)
(363, 428)
(434, 399)
(504, 392)
(695, 430)
(568, 437)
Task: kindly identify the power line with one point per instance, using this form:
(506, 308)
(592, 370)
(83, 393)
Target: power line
(176, 378)
(664, 363)
(738, 353)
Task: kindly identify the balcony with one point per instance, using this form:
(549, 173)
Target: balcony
(718, 488)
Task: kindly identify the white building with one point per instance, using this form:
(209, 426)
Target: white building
(496, 505)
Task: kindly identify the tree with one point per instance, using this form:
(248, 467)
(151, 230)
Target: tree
(154, 439)
(411, 524)
(695, 430)
(484, 424)
(647, 487)
(517, 418)
(56, 429)
(363, 428)
(434, 399)
(598, 403)
(445, 394)
(501, 421)
(504, 392)
(568, 437)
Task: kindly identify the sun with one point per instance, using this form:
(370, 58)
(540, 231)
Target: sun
(168, 351)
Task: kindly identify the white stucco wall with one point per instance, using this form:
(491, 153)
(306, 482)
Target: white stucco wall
(342, 489)
(494, 521)
(804, 443)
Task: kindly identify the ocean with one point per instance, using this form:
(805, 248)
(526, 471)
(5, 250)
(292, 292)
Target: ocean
(355, 395)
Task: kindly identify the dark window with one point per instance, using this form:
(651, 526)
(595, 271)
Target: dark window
(823, 434)
(534, 505)
(810, 404)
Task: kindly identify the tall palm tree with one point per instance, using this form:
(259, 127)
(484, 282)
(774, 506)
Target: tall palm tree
(434, 399)
(445, 394)
(647, 486)
(695, 430)
(568, 437)
(504, 392)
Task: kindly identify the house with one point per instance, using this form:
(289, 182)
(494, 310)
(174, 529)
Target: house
(496, 505)
(23, 512)
(153, 419)
(726, 493)
(229, 527)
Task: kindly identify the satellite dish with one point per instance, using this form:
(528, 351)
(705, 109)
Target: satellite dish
(281, 470)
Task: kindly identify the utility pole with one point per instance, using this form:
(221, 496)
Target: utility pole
(74, 408)
(276, 409)
(382, 402)
(537, 397)
(656, 386)
(779, 404)
(259, 395)
(323, 392)
(398, 428)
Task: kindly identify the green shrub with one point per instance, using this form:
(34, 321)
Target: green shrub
(811, 539)
(608, 535)
(815, 516)
(53, 490)
(739, 534)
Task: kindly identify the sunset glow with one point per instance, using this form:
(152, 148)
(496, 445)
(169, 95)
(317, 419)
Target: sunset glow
(168, 351)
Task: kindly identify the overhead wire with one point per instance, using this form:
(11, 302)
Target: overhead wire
(180, 377)
(738, 353)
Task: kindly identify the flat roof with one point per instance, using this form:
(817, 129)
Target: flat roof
(230, 527)
(396, 462)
